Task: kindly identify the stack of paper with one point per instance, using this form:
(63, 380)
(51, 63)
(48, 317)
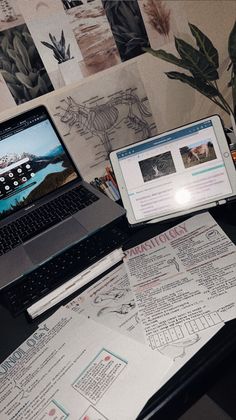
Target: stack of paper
(110, 349)
(175, 291)
(72, 367)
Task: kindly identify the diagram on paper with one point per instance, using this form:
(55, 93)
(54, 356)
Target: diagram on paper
(101, 118)
(117, 301)
(178, 349)
(172, 342)
(165, 337)
(111, 113)
(111, 302)
(205, 321)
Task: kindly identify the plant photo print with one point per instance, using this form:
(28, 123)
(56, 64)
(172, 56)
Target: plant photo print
(21, 66)
(162, 19)
(94, 37)
(61, 52)
(158, 16)
(127, 26)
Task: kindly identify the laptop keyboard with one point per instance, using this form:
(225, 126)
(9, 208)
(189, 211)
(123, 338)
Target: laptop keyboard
(44, 217)
(63, 267)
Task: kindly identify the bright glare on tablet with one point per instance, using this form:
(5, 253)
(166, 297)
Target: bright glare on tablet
(177, 172)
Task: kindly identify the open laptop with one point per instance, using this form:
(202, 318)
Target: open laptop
(177, 172)
(45, 206)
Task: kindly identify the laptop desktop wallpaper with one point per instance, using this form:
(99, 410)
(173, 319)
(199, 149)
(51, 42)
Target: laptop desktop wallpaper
(32, 164)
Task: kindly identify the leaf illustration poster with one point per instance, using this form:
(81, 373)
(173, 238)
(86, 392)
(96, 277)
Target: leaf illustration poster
(107, 113)
(7, 100)
(21, 66)
(127, 26)
(162, 19)
(54, 40)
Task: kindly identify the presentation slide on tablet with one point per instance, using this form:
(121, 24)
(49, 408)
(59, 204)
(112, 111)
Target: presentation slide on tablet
(181, 169)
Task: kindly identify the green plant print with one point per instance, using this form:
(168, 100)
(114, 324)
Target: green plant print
(21, 66)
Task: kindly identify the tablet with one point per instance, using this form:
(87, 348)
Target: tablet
(177, 172)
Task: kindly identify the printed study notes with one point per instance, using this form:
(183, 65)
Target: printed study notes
(74, 368)
(105, 353)
(111, 302)
(183, 280)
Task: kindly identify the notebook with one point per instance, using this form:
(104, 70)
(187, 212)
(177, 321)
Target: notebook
(175, 173)
(45, 205)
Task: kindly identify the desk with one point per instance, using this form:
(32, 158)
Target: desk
(195, 378)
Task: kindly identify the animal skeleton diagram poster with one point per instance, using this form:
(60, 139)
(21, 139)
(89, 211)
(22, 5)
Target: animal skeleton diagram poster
(103, 115)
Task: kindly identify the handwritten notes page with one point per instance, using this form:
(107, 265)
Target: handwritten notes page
(183, 280)
(111, 302)
(173, 292)
(72, 367)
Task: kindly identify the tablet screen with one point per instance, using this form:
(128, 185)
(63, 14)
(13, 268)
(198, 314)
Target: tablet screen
(181, 169)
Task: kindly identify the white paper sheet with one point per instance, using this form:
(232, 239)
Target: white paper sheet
(210, 257)
(72, 367)
(173, 300)
(111, 302)
(182, 351)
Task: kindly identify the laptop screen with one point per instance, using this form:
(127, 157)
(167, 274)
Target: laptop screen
(33, 162)
(181, 169)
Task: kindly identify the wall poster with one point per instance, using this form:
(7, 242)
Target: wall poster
(100, 117)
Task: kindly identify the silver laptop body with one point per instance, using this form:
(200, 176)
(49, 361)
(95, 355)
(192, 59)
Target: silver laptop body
(35, 169)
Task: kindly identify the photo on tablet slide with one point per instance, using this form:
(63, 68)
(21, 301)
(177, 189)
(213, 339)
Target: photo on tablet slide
(197, 153)
(157, 166)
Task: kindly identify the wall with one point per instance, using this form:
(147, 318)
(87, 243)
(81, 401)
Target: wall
(172, 103)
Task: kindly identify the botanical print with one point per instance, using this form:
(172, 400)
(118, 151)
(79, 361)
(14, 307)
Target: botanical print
(107, 113)
(162, 19)
(7, 100)
(127, 26)
(10, 15)
(56, 44)
(61, 51)
(158, 16)
(57, 79)
(21, 66)
(94, 37)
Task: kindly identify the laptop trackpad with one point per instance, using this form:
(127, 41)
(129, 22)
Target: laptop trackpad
(55, 240)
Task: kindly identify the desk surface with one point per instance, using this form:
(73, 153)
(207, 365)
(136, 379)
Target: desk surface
(195, 378)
